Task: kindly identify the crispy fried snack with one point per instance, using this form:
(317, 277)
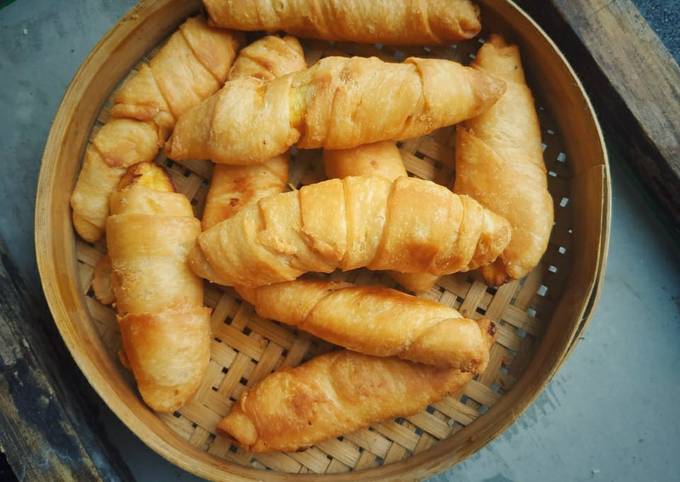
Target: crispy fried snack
(379, 159)
(397, 22)
(333, 394)
(499, 162)
(351, 223)
(339, 103)
(164, 326)
(376, 321)
(234, 187)
(191, 66)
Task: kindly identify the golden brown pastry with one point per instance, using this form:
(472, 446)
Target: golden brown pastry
(351, 223)
(118, 144)
(376, 321)
(499, 162)
(333, 394)
(415, 282)
(379, 159)
(269, 58)
(233, 187)
(101, 281)
(398, 22)
(164, 326)
(191, 66)
(339, 103)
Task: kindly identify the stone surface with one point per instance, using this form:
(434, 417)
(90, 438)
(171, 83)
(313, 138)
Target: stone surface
(611, 413)
(664, 17)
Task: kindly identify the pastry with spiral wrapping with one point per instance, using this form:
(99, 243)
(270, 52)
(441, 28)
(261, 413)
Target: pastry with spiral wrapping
(376, 321)
(164, 326)
(339, 103)
(348, 224)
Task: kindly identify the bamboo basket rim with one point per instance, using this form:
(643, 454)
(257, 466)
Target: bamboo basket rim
(419, 465)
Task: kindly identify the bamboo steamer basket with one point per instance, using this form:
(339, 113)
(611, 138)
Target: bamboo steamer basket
(540, 318)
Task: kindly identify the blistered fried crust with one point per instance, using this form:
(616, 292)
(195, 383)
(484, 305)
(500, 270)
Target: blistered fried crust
(234, 187)
(379, 159)
(499, 162)
(101, 281)
(339, 103)
(164, 327)
(397, 22)
(376, 321)
(333, 394)
(192, 65)
(351, 223)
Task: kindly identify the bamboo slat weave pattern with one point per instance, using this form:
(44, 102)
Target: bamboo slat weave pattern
(245, 348)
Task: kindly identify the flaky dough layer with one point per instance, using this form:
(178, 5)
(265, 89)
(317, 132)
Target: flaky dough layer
(339, 103)
(164, 326)
(379, 159)
(192, 65)
(351, 223)
(400, 22)
(234, 187)
(499, 162)
(376, 321)
(336, 393)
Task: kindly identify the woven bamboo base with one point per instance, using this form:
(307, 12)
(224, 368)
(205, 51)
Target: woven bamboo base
(245, 348)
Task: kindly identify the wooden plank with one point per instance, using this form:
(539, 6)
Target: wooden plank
(632, 79)
(49, 426)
